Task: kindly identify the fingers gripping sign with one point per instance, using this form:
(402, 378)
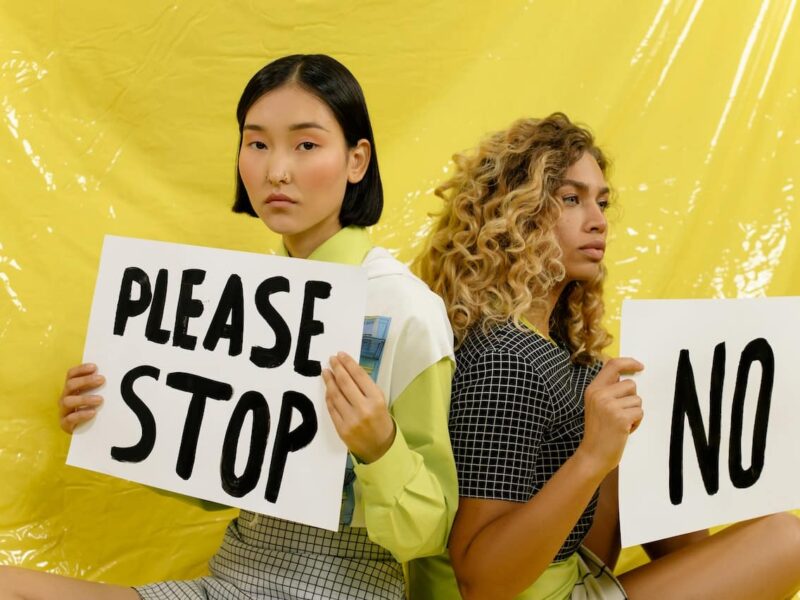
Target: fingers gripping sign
(75, 406)
(613, 411)
(358, 409)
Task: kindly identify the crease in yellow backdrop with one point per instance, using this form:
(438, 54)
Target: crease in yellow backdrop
(120, 119)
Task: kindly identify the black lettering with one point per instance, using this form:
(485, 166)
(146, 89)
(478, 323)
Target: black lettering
(141, 449)
(289, 441)
(310, 327)
(188, 308)
(687, 407)
(200, 388)
(153, 330)
(126, 305)
(757, 350)
(269, 358)
(250, 402)
(228, 319)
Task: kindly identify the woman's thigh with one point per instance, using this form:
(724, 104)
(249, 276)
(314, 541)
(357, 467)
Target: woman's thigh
(756, 559)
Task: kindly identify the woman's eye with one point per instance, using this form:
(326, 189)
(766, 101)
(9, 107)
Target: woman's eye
(307, 145)
(570, 200)
(258, 145)
(603, 204)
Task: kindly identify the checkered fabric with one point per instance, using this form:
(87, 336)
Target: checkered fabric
(516, 416)
(264, 557)
(595, 580)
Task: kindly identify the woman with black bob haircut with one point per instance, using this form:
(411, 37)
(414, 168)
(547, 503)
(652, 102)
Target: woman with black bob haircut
(330, 81)
(306, 166)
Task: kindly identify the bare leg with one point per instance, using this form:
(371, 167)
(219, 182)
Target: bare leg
(756, 559)
(24, 584)
(661, 548)
(603, 538)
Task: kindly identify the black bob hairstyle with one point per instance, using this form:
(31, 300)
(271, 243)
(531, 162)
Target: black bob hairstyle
(330, 81)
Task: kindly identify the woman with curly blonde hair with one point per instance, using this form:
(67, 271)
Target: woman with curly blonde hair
(538, 418)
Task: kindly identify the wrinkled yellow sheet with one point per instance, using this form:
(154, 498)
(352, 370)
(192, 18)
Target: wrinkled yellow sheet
(119, 118)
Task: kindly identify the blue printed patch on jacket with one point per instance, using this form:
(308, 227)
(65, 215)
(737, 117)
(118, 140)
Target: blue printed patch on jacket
(373, 341)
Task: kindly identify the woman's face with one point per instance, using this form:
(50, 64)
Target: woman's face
(581, 228)
(295, 165)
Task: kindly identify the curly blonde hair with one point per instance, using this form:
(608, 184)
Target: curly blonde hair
(493, 255)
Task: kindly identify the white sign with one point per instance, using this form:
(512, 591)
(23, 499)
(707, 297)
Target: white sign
(720, 439)
(212, 361)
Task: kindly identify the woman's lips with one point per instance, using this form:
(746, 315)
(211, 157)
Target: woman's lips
(594, 250)
(594, 253)
(278, 200)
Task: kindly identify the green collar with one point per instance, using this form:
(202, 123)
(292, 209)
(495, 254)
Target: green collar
(535, 330)
(348, 246)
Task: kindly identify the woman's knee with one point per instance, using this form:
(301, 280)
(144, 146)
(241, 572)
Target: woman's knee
(789, 522)
(783, 527)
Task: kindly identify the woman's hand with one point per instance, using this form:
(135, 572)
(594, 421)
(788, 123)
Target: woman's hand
(613, 411)
(358, 409)
(75, 406)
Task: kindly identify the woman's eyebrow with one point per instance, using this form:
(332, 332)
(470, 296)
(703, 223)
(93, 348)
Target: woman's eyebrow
(306, 125)
(580, 185)
(294, 127)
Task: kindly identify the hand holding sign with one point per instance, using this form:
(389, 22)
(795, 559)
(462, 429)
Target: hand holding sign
(613, 411)
(74, 406)
(358, 409)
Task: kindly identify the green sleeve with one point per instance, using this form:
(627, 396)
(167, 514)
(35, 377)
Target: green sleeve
(410, 494)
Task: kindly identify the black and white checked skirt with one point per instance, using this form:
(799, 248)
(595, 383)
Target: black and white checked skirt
(262, 557)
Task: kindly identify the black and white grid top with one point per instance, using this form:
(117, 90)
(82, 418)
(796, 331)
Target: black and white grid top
(516, 416)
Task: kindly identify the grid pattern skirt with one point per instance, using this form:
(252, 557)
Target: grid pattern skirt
(262, 557)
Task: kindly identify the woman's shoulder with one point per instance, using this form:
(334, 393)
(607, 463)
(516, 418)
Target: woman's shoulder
(506, 348)
(417, 330)
(507, 339)
(394, 282)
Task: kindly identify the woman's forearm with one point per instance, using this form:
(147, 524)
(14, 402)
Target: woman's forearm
(511, 552)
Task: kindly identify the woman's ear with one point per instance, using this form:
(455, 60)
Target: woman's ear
(358, 161)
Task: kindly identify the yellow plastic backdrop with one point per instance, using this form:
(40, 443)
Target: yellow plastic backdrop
(119, 118)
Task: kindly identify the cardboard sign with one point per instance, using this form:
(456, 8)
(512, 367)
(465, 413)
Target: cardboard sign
(720, 439)
(212, 361)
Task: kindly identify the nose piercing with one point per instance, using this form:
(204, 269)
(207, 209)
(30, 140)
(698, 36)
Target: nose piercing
(284, 178)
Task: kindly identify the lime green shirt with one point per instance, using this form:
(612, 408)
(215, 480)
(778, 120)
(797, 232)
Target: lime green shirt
(433, 579)
(410, 494)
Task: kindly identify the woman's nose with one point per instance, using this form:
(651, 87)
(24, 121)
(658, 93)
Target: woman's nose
(278, 172)
(596, 219)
